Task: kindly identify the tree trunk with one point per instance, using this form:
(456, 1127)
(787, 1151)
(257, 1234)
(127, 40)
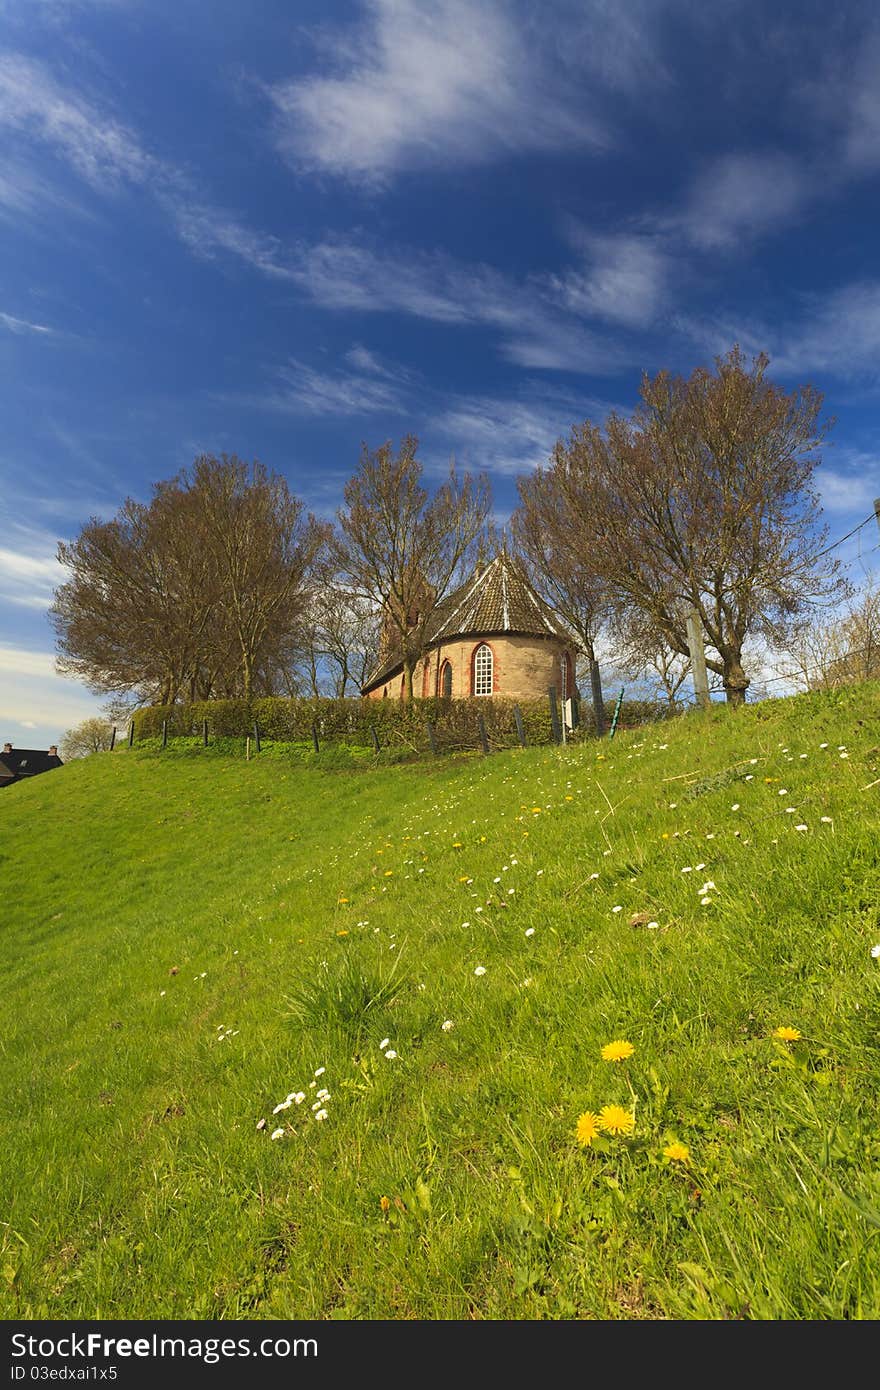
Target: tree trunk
(736, 682)
(408, 668)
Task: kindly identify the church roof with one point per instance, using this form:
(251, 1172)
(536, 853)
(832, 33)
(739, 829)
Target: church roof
(496, 600)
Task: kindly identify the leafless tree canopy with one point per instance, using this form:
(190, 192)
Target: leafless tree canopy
(841, 650)
(403, 549)
(197, 595)
(704, 500)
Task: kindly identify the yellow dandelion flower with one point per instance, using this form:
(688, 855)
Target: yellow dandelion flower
(786, 1034)
(587, 1128)
(679, 1153)
(614, 1119)
(457, 844)
(388, 873)
(342, 900)
(342, 933)
(384, 1203)
(617, 1051)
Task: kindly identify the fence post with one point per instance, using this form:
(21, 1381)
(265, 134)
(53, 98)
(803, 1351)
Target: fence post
(112, 738)
(698, 659)
(520, 727)
(205, 732)
(315, 738)
(375, 737)
(616, 714)
(484, 737)
(432, 739)
(598, 702)
(164, 733)
(247, 749)
(256, 736)
(131, 734)
(554, 715)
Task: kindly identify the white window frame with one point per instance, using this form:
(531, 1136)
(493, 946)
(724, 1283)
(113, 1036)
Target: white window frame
(484, 669)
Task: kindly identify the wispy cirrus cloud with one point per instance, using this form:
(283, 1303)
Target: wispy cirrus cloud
(508, 435)
(743, 196)
(432, 83)
(536, 326)
(29, 571)
(364, 388)
(98, 147)
(23, 326)
(835, 334)
(626, 278)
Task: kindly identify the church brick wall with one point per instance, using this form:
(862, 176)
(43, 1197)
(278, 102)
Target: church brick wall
(523, 668)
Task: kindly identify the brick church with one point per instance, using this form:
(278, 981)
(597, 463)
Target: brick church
(493, 636)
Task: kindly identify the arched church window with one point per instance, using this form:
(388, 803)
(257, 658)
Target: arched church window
(446, 681)
(483, 664)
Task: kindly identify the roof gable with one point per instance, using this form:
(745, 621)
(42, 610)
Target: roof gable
(497, 599)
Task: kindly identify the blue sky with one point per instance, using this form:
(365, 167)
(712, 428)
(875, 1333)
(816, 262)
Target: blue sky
(278, 229)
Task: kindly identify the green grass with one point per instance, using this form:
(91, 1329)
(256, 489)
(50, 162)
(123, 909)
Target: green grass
(187, 937)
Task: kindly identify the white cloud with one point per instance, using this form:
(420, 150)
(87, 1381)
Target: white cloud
(22, 325)
(834, 335)
(28, 569)
(626, 279)
(304, 390)
(850, 491)
(507, 435)
(428, 83)
(744, 195)
(99, 148)
(33, 697)
(537, 328)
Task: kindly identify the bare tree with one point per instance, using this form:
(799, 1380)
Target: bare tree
(704, 500)
(196, 595)
(347, 636)
(403, 550)
(262, 548)
(561, 570)
(642, 650)
(840, 650)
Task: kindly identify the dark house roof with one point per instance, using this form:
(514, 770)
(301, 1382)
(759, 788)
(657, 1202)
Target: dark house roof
(26, 762)
(497, 600)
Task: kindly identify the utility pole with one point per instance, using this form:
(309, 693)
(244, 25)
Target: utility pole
(698, 659)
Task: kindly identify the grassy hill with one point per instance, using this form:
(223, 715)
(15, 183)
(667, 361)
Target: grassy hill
(189, 941)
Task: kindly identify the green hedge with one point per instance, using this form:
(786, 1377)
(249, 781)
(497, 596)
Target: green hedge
(455, 722)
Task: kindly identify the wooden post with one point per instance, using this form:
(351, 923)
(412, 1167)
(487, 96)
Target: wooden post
(520, 727)
(112, 738)
(131, 734)
(598, 702)
(205, 732)
(315, 738)
(484, 737)
(247, 749)
(164, 733)
(256, 737)
(375, 738)
(555, 721)
(698, 659)
(432, 738)
(613, 728)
